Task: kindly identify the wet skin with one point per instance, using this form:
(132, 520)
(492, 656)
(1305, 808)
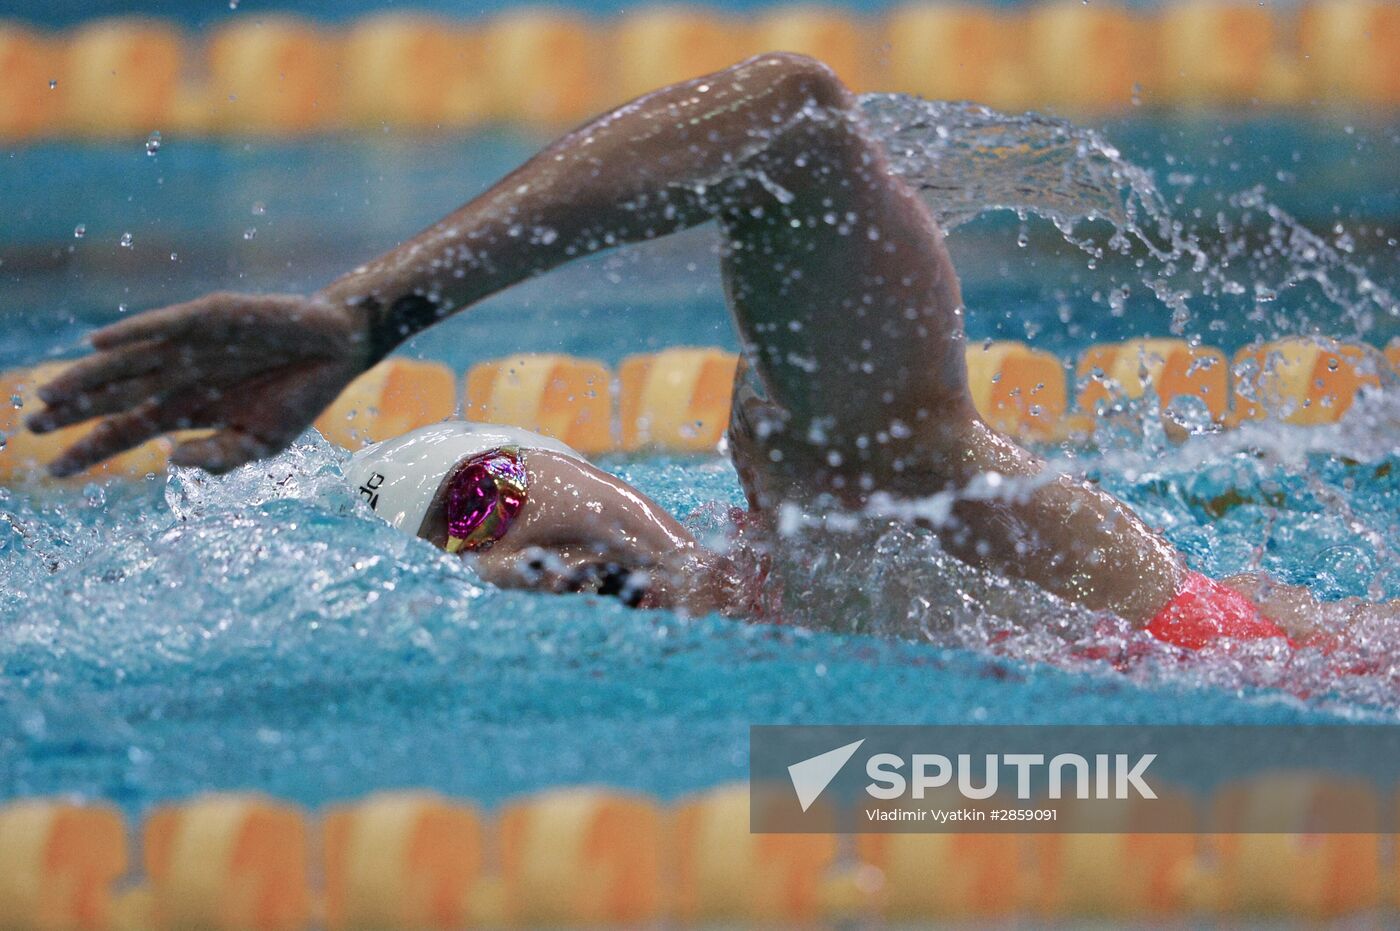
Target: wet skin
(852, 386)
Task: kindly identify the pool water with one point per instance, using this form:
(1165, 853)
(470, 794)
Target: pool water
(263, 630)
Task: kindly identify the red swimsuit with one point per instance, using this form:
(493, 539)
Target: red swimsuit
(1204, 611)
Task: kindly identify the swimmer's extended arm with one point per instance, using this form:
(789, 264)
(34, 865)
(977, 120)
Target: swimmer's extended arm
(259, 369)
(647, 169)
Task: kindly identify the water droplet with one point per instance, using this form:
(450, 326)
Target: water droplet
(233, 4)
(153, 143)
(126, 240)
(80, 231)
(259, 208)
(53, 85)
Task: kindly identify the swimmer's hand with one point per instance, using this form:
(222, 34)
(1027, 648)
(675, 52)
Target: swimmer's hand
(256, 369)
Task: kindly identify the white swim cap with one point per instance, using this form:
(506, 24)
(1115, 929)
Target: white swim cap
(400, 477)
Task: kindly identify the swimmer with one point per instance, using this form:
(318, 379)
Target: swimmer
(852, 386)
(534, 513)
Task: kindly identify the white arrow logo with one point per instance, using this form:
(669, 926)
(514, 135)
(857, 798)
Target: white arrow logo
(811, 776)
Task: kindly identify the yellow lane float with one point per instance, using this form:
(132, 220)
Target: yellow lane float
(677, 399)
(1017, 389)
(414, 73)
(28, 64)
(1215, 53)
(661, 45)
(585, 856)
(58, 864)
(1302, 380)
(833, 36)
(1118, 862)
(395, 396)
(1085, 57)
(228, 862)
(948, 876)
(1172, 368)
(957, 52)
(273, 75)
(1302, 874)
(121, 77)
(1351, 50)
(543, 68)
(400, 861)
(560, 396)
(724, 873)
(25, 455)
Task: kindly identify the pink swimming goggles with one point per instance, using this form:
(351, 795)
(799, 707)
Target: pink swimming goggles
(484, 496)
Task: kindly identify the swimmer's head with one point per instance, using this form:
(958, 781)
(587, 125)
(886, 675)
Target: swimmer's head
(401, 479)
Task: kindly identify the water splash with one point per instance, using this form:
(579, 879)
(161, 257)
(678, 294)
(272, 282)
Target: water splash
(967, 160)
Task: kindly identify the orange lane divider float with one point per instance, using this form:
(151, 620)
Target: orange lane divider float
(1173, 369)
(273, 75)
(1122, 865)
(416, 860)
(224, 861)
(659, 46)
(833, 36)
(724, 873)
(1107, 44)
(1302, 874)
(1302, 380)
(1351, 50)
(1017, 389)
(957, 52)
(1212, 53)
(585, 856)
(28, 65)
(949, 876)
(401, 860)
(678, 400)
(395, 396)
(675, 400)
(560, 396)
(121, 77)
(220, 861)
(58, 864)
(550, 68)
(413, 72)
(543, 67)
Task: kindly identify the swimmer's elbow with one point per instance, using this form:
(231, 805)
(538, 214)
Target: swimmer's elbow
(802, 75)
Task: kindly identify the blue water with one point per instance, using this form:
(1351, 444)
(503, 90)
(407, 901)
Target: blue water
(264, 631)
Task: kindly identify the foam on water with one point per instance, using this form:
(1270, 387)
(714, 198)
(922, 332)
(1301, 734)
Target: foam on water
(265, 630)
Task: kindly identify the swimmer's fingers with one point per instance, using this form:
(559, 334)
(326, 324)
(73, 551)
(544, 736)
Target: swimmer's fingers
(113, 398)
(145, 421)
(287, 402)
(102, 369)
(112, 436)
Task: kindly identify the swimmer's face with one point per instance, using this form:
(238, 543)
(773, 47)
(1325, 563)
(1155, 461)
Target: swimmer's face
(565, 531)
